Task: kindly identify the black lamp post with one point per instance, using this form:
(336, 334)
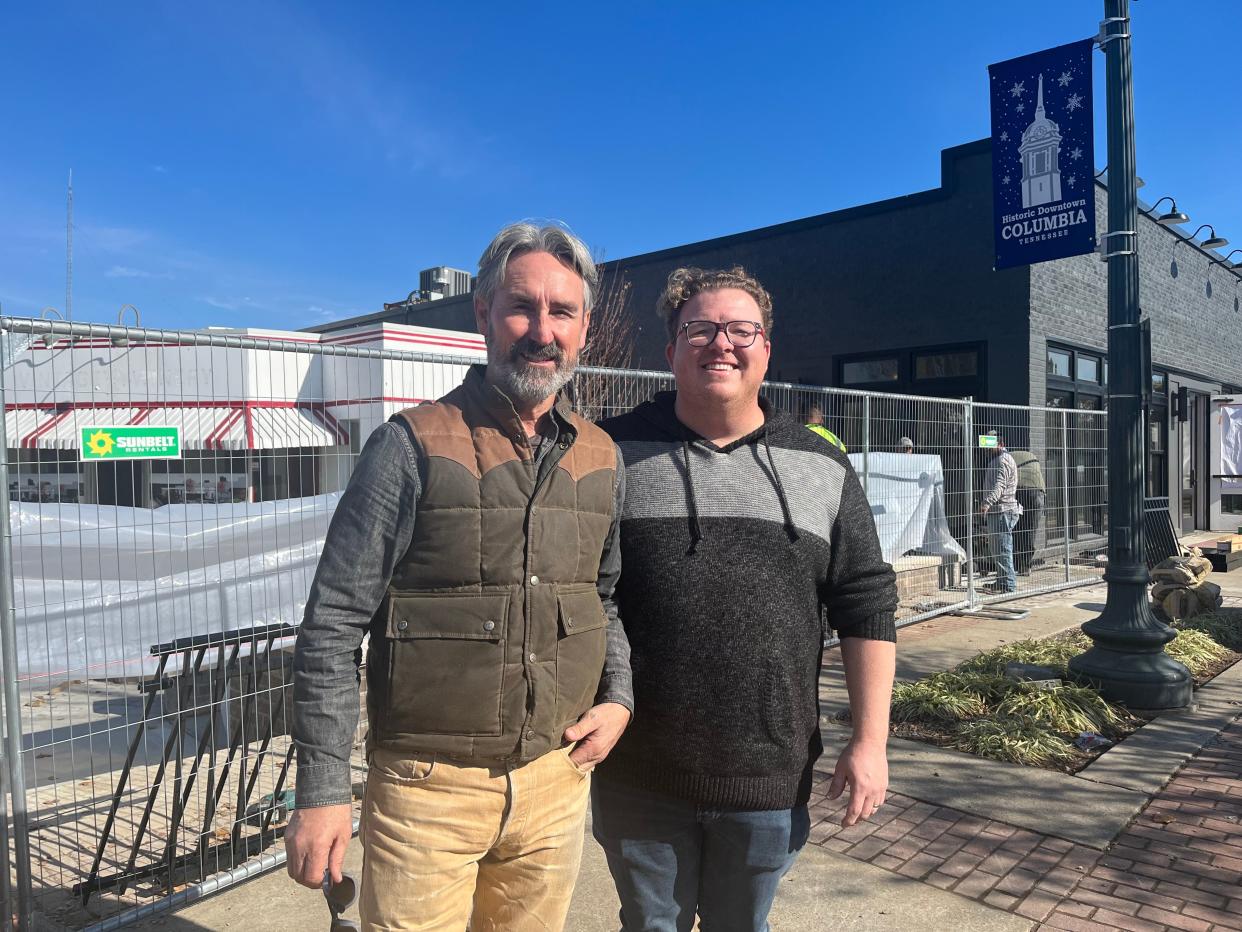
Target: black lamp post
(1127, 662)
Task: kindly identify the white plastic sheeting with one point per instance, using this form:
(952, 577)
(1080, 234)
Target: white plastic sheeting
(906, 493)
(97, 585)
(1231, 447)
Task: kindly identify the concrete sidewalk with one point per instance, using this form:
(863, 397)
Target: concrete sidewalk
(964, 843)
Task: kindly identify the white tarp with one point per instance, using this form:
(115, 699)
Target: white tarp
(906, 493)
(1231, 447)
(97, 585)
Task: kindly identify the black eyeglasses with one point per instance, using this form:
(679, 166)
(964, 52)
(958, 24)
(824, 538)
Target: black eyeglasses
(741, 333)
(340, 897)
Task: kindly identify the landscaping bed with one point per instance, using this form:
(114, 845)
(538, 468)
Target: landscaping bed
(976, 707)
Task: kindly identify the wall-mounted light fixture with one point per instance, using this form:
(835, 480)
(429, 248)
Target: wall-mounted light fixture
(1170, 218)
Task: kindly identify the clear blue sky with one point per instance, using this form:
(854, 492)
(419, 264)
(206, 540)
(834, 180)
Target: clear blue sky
(282, 164)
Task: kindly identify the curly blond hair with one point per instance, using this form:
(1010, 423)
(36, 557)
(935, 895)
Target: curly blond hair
(685, 283)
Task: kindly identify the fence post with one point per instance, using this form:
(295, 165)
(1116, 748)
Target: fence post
(866, 450)
(968, 428)
(8, 671)
(1065, 488)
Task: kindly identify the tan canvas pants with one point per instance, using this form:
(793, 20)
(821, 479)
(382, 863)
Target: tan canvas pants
(445, 844)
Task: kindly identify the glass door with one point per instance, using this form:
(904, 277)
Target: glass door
(1192, 466)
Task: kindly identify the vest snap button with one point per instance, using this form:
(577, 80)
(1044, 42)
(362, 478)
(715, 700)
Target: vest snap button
(530, 734)
(489, 625)
(532, 658)
(534, 580)
(569, 622)
(402, 625)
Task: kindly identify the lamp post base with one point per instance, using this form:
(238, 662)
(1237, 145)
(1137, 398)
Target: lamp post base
(1142, 682)
(1128, 663)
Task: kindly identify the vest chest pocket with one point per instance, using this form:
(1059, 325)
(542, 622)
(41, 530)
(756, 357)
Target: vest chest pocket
(446, 663)
(580, 648)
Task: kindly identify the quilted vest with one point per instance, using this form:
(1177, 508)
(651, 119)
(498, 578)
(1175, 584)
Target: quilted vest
(490, 641)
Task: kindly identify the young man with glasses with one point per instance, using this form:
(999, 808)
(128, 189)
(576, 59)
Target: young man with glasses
(739, 524)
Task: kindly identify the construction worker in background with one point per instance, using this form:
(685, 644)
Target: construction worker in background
(815, 422)
(1031, 494)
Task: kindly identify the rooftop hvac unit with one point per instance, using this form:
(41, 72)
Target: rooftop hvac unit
(443, 282)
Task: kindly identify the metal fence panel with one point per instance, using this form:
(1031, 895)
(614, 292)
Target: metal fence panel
(149, 606)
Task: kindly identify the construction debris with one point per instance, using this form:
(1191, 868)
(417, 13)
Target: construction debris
(1181, 587)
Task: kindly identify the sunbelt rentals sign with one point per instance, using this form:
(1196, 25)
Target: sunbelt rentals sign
(130, 443)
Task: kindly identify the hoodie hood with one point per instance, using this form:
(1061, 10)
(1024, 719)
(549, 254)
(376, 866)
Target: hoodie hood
(661, 413)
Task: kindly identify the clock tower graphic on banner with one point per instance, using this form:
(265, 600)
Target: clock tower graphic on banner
(1040, 151)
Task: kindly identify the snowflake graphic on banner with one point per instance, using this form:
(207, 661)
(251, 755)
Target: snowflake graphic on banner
(1073, 103)
(1018, 89)
(1077, 153)
(1004, 137)
(1065, 79)
(1005, 180)
(1072, 180)
(1021, 108)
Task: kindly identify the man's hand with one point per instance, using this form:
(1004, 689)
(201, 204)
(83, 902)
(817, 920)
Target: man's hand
(596, 732)
(864, 766)
(316, 840)
(983, 510)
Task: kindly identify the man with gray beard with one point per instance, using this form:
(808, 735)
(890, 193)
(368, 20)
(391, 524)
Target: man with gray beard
(477, 544)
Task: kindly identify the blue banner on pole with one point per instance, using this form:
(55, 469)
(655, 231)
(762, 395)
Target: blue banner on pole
(1043, 155)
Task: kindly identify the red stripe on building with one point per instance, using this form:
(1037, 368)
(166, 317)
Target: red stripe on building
(29, 440)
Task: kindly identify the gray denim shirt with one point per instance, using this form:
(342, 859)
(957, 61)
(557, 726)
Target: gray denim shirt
(370, 532)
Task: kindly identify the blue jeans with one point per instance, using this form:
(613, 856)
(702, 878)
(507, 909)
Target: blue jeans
(671, 858)
(1000, 542)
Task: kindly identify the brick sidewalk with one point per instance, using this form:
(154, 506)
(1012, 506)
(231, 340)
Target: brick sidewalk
(1178, 866)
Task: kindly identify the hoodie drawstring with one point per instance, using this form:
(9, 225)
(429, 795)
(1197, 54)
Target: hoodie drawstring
(696, 532)
(780, 492)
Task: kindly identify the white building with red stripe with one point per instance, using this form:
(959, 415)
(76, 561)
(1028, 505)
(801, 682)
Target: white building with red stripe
(277, 420)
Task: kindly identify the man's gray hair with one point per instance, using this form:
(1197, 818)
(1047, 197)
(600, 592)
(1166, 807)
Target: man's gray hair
(517, 239)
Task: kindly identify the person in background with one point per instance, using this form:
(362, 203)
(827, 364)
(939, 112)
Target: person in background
(223, 491)
(905, 445)
(815, 422)
(1001, 510)
(1031, 495)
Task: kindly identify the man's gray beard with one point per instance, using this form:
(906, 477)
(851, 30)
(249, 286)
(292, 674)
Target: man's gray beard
(524, 383)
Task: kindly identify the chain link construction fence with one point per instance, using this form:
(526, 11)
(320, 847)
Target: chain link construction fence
(148, 603)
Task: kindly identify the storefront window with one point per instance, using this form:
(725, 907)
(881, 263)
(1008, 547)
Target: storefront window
(946, 365)
(1059, 363)
(1088, 368)
(866, 371)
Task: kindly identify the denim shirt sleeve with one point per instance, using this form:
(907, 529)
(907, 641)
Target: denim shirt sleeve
(370, 531)
(616, 684)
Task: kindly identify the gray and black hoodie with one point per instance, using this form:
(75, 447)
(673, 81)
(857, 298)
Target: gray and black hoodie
(728, 554)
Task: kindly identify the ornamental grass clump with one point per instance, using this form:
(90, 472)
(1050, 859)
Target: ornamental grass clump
(1017, 740)
(1065, 710)
(1197, 650)
(1054, 652)
(1224, 626)
(931, 700)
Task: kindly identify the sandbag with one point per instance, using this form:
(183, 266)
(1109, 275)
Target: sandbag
(1181, 604)
(1208, 595)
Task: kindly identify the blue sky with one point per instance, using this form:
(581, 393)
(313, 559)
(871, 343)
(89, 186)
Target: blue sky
(281, 164)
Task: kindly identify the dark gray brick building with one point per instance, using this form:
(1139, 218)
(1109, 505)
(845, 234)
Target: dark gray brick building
(900, 295)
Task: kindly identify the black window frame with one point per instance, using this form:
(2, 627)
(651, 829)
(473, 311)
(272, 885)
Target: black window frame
(1079, 389)
(907, 383)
